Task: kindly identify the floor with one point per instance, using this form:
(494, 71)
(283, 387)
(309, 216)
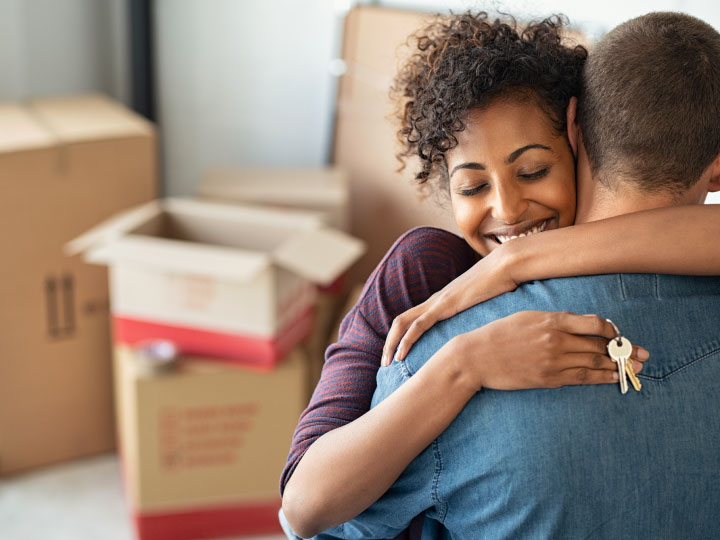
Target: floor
(78, 501)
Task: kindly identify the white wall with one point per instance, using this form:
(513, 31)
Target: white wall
(53, 47)
(247, 82)
(243, 83)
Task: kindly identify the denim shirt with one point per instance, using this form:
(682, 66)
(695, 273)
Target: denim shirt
(581, 462)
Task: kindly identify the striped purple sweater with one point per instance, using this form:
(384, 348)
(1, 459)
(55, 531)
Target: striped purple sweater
(420, 263)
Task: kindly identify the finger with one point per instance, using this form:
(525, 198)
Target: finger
(578, 376)
(572, 362)
(571, 343)
(397, 330)
(594, 361)
(416, 329)
(589, 325)
(639, 354)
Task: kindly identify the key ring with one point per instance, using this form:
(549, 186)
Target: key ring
(618, 337)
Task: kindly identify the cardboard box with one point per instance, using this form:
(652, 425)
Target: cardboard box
(203, 445)
(384, 202)
(65, 165)
(323, 190)
(230, 281)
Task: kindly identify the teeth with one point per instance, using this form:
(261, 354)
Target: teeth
(534, 230)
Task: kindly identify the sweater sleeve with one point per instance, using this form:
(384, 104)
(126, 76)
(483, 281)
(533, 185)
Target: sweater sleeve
(420, 263)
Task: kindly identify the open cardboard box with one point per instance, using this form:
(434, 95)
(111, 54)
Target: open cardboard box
(325, 190)
(231, 281)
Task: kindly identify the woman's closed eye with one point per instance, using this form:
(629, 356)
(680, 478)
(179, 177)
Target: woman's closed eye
(539, 173)
(470, 191)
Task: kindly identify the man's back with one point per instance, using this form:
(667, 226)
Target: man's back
(579, 462)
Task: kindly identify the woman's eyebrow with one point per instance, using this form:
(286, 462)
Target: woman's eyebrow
(469, 165)
(517, 153)
(512, 157)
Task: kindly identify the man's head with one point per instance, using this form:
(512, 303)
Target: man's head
(649, 110)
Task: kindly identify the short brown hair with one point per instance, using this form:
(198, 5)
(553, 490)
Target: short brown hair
(649, 108)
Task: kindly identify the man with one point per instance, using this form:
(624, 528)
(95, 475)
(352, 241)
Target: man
(588, 462)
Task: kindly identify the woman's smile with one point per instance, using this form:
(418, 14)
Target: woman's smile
(526, 229)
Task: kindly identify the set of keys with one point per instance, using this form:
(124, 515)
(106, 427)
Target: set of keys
(620, 350)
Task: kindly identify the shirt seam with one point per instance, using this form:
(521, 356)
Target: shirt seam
(441, 505)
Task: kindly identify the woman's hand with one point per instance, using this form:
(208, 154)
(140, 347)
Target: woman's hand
(488, 278)
(537, 349)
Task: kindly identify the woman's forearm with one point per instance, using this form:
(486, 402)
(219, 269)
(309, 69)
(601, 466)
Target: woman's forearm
(676, 240)
(349, 468)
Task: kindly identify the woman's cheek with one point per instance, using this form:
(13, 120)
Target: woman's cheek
(564, 201)
(463, 213)
(469, 216)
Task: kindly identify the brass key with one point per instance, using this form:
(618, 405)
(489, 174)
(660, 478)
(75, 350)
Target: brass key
(637, 385)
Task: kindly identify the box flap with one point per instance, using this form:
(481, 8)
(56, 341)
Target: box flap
(294, 219)
(181, 257)
(89, 117)
(113, 228)
(19, 130)
(313, 188)
(320, 255)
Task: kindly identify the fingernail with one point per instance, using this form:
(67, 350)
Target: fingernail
(615, 375)
(643, 354)
(383, 360)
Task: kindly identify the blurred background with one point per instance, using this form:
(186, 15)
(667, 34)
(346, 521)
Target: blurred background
(223, 92)
(235, 82)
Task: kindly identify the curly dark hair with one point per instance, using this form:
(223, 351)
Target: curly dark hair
(464, 61)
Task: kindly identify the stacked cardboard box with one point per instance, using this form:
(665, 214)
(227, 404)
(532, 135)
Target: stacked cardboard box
(65, 165)
(203, 444)
(233, 288)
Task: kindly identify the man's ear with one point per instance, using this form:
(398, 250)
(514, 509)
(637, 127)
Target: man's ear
(714, 183)
(572, 127)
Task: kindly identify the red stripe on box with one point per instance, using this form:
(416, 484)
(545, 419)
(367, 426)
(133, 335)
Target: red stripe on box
(250, 519)
(243, 349)
(336, 287)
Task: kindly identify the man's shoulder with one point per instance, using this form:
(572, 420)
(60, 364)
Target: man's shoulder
(619, 287)
(607, 295)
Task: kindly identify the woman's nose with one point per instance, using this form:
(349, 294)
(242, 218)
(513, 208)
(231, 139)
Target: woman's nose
(508, 203)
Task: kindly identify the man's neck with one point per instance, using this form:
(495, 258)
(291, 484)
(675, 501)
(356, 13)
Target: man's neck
(596, 201)
(606, 203)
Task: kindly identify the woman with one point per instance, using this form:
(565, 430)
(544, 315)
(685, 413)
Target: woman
(485, 113)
